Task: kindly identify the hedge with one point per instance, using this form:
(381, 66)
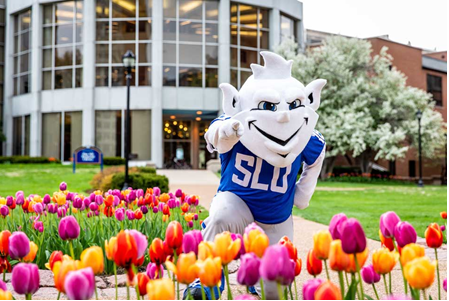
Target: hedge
(140, 180)
(113, 161)
(27, 160)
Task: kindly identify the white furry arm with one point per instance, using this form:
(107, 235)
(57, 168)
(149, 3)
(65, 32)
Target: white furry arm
(222, 135)
(306, 185)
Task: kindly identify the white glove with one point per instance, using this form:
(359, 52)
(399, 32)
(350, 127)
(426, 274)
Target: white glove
(223, 135)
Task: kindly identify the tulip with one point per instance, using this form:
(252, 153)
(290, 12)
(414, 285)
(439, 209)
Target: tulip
(54, 257)
(32, 253)
(225, 247)
(4, 294)
(405, 234)
(69, 228)
(314, 265)
(353, 238)
(369, 275)
(93, 257)
(80, 284)
(186, 270)
(142, 281)
(63, 186)
(386, 242)
(206, 250)
(161, 289)
(210, 272)
(445, 284)
(120, 214)
(191, 241)
(38, 208)
(327, 291)
(321, 246)
(384, 261)
(173, 235)
(109, 247)
(4, 243)
(141, 241)
(309, 288)
(361, 260)
(336, 225)
(245, 297)
(388, 222)
(434, 236)
(61, 269)
(248, 273)
(93, 207)
(410, 252)
(338, 260)
(125, 254)
(443, 215)
(420, 272)
(292, 251)
(443, 228)
(157, 252)
(4, 211)
(19, 245)
(255, 240)
(39, 226)
(25, 279)
(276, 265)
(154, 271)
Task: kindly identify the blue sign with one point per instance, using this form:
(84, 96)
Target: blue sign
(87, 155)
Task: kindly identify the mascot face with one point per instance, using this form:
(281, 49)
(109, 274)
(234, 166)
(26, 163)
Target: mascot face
(276, 110)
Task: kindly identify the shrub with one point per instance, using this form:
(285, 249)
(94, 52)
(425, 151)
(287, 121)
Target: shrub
(27, 160)
(140, 180)
(102, 180)
(149, 170)
(113, 161)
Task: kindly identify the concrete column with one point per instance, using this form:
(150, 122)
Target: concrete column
(36, 80)
(8, 84)
(88, 137)
(224, 40)
(156, 83)
(301, 36)
(275, 28)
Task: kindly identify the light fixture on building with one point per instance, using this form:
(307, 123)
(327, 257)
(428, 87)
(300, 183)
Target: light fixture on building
(129, 60)
(198, 119)
(175, 122)
(199, 112)
(172, 117)
(167, 124)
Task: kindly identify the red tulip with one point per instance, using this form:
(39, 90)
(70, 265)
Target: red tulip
(173, 235)
(125, 253)
(142, 281)
(314, 265)
(434, 236)
(157, 252)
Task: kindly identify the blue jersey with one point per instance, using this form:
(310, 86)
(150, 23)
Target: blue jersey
(267, 190)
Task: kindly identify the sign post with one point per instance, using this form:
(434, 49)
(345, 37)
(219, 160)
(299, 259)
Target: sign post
(87, 155)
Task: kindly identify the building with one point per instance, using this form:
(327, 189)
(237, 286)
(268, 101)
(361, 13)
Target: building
(425, 70)
(65, 81)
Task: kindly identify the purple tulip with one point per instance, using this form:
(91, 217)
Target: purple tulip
(3, 286)
(397, 297)
(156, 191)
(442, 228)
(77, 202)
(9, 201)
(63, 186)
(195, 217)
(80, 284)
(19, 245)
(38, 208)
(277, 266)
(171, 195)
(4, 210)
(405, 234)
(131, 196)
(353, 238)
(309, 288)
(144, 209)
(245, 297)
(177, 203)
(155, 210)
(139, 193)
(388, 222)
(190, 224)
(19, 198)
(178, 193)
(70, 196)
(130, 214)
(92, 197)
(369, 275)
(191, 240)
(336, 225)
(141, 242)
(242, 251)
(99, 199)
(116, 201)
(248, 273)
(93, 206)
(171, 203)
(90, 214)
(69, 228)
(152, 271)
(445, 284)
(25, 278)
(62, 211)
(39, 226)
(120, 214)
(47, 199)
(52, 208)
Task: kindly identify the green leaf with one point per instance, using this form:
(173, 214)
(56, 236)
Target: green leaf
(415, 294)
(350, 295)
(368, 297)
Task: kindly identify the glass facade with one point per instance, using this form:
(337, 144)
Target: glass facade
(123, 25)
(22, 53)
(190, 49)
(62, 49)
(51, 135)
(249, 36)
(288, 28)
(21, 136)
(73, 122)
(2, 65)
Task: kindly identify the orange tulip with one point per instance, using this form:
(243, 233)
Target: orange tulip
(384, 261)
(185, 207)
(298, 266)
(420, 272)
(314, 265)
(161, 289)
(125, 253)
(256, 242)
(107, 211)
(386, 241)
(443, 215)
(32, 254)
(5, 295)
(109, 200)
(327, 291)
(61, 269)
(54, 257)
(186, 270)
(321, 244)
(410, 252)
(93, 257)
(292, 251)
(434, 236)
(109, 247)
(206, 250)
(157, 252)
(361, 259)
(338, 260)
(142, 282)
(210, 271)
(226, 248)
(173, 235)
(4, 242)
(138, 214)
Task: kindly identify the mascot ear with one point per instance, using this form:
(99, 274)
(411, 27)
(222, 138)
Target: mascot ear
(313, 93)
(231, 104)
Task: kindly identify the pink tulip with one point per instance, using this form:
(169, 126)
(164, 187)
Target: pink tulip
(3, 286)
(141, 242)
(154, 271)
(397, 297)
(62, 186)
(253, 226)
(178, 193)
(38, 208)
(93, 206)
(388, 222)
(99, 199)
(4, 210)
(369, 275)
(39, 226)
(9, 201)
(245, 297)
(120, 214)
(68, 228)
(353, 238)
(25, 278)
(248, 273)
(405, 234)
(46, 199)
(191, 240)
(445, 284)
(277, 266)
(19, 245)
(235, 236)
(309, 288)
(80, 284)
(156, 191)
(335, 225)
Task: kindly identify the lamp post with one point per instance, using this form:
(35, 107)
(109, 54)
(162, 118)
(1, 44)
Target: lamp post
(129, 61)
(419, 116)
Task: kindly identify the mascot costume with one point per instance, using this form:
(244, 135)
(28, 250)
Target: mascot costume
(267, 132)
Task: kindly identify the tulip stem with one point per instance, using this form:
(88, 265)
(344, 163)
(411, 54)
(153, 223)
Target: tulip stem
(424, 294)
(95, 286)
(135, 271)
(438, 275)
(357, 267)
(296, 289)
(280, 291)
(228, 285)
(203, 293)
(262, 290)
(212, 293)
(4, 275)
(353, 280)
(327, 270)
(127, 291)
(59, 295)
(385, 282)
(342, 283)
(290, 289)
(375, 291)
(28, 296)
(402, 268)
(389, 280)
(71, 249)
(115, 277)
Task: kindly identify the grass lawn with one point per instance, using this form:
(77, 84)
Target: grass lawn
(366, 202)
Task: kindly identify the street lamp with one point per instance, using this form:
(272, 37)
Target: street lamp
(419, 116)
(129, 61)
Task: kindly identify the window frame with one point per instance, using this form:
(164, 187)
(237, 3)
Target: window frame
(18, 53)
(295, 29)
(430, 88)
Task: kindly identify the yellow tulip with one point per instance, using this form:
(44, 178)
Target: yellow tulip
(2, 201)
(161, 289)
(420, 272)
(210, 271)
(256, 242)
(384, 261)
(410, 252)
(225, 247)
(32, 254)
(109, 247)
(205, 250)
(321, 244)
(338, 260)
(61, 269)
(59, 198)
(361, 259)
(186, 270)
(5, 295)
(93, 257)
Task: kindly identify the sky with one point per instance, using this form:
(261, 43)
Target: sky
(422, 23)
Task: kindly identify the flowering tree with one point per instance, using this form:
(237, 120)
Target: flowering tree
(366, 109)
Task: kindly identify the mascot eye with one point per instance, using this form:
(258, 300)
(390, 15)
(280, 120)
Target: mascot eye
(295, 104)
(268, 106)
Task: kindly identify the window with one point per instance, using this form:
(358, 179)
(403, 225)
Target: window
(412, 168)
(434, 87)
(288, 28)
(62, 49)
(190, 50)
(73, 123)
(22, 53)
(51, 135)
(2, 62)
(123, 25)
(249, 36)
(21, 136)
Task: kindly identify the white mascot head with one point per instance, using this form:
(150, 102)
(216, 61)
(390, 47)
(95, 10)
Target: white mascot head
(276, 110)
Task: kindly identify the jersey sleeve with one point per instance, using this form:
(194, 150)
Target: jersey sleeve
(222, 117)
(313, 148)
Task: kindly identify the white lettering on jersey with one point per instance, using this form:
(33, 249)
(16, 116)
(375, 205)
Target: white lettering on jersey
(238, 164)
(255, 182)
(274, 185)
